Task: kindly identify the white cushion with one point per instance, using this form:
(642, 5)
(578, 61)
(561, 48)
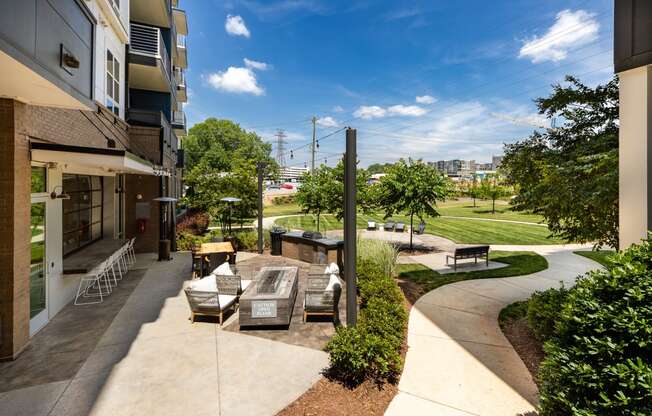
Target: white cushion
(205, 284)
(332, 268)
(223, 269)
(332, 281)
(226, 301)
(371, 223)
(244, 284)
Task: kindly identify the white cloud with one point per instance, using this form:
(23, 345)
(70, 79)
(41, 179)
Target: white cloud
(425, 99)
(261, 66)
(235, 26)
(569, 30)
(327, 122)
(236, 80)
(370, 112)
(338, 109)
(407, 110)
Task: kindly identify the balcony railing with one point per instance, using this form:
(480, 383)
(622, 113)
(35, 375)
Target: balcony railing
(147, 41)
(180, 77)
(179, 118)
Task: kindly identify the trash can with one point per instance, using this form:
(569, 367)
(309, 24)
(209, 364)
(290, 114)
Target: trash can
(275, 240)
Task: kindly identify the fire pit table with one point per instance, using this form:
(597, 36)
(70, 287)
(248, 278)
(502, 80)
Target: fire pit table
(269, 301)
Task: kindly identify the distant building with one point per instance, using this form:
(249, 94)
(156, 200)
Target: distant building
(291, 174)
(375, 178)
(455, 167)
(481, 167)
(496, 161)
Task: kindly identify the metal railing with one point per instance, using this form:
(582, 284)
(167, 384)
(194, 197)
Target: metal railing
(148, 41)
(179, 117)
(179, 76)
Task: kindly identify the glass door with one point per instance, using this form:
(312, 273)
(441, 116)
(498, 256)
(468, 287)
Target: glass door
(38, 311)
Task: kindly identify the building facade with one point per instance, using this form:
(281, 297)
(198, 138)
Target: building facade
(455, 167)
(83, 158)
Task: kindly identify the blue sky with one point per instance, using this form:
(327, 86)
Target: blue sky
(434, 79)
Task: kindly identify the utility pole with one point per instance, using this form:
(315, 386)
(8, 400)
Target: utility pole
(350, 237)
(280, 147)
(312, 148)
(261, 170)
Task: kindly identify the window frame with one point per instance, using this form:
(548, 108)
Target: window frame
(112, 100)
(77, 212)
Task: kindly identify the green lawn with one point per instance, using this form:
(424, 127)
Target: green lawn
(448, 208)
(601, 256)
(284, 209)
(463, 231)
(520, 263)
(483, 210)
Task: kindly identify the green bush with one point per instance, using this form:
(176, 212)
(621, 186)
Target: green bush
(599, 360)
(543, 312)
(283, 200)
(372, 349)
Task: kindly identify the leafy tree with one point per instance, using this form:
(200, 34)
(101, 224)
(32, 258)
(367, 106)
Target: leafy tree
(472, 190)
(412, 187)
(569, 174)
(221, 161)
(314, 191)
(378, 168)
(492, 187)
(323, 191)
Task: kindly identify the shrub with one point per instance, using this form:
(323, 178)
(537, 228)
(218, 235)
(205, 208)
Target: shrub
(283, 200)
(372, 349)
(598, 362)
(194, 222)
(543, 312)
(376, 256)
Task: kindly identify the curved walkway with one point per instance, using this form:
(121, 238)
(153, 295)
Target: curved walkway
(459, 363)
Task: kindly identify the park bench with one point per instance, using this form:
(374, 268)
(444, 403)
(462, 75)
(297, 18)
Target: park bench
(471, 252)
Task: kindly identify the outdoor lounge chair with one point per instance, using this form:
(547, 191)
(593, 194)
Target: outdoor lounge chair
(322, 296)
(210, 296)
(372, 226)
(400, 227)
(421, 229)
(389, 225)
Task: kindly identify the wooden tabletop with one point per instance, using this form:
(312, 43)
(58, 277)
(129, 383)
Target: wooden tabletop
(209, 248)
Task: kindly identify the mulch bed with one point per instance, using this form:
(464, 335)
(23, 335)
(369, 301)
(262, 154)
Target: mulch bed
(331, 398)
(525, 344)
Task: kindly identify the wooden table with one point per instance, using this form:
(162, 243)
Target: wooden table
(210, 248)
(213, 248)
(269, 300)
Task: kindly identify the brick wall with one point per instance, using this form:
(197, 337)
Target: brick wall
(77, 128)
(148, 188)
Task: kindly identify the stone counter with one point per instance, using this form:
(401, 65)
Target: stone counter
(321, 251)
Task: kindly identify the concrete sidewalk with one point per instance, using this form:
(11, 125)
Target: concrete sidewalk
(459, 362)
(151, 361)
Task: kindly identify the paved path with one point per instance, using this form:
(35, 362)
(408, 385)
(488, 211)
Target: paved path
(459, 363)
(151, 361)
(494, 220)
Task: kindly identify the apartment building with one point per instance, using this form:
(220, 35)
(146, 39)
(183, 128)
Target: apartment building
(84, 155)
(455, 167)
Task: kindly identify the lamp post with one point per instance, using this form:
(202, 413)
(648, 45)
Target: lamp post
(260, 167)
(350, 162)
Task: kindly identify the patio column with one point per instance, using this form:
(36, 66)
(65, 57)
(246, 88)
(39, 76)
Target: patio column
(634, 149)
(633, 64)
(350, 236)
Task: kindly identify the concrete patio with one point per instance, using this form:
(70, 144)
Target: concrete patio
(137, 353)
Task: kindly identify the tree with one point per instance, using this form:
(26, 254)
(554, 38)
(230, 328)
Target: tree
(221, 161)
(412, 187)
(314, 191)
(472, 190)
(492, 187)
(569, 174)
(378, 168)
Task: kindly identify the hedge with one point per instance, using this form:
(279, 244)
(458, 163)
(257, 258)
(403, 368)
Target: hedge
(599, 358)
(371, 350)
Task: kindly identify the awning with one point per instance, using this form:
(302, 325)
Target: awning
(89, 160)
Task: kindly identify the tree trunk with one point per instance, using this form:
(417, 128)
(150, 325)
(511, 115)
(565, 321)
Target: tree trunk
(318, 213)
(493, 206)
(411, 227)
(474, 202)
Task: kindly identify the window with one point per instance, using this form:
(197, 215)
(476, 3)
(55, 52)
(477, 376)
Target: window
(82, 213)
(112, 83)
